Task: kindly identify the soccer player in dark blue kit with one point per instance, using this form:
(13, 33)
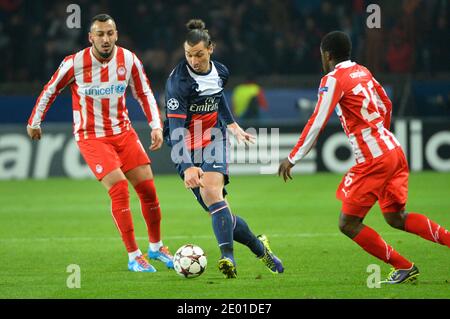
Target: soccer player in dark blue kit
(198, 117)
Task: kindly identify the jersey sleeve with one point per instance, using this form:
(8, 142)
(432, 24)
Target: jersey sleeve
(176, 113)
(224, 111)
(60, 79)
(384, 103)
(142, 92)
(330, 93)
(223, 72)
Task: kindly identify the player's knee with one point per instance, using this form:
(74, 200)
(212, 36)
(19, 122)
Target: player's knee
(348, 228)
(147, 192)
(119, 191)
(211, 195)
(396, 220)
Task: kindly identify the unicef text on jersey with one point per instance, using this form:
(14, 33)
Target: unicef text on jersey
(107, 90)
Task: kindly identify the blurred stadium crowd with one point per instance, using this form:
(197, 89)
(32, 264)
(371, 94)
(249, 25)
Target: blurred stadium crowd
(258, 37)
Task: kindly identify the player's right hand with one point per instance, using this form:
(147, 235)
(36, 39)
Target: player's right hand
(192, 177)
(34, 133)
(285, 169)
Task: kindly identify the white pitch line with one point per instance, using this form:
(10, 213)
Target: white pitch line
(43, 239)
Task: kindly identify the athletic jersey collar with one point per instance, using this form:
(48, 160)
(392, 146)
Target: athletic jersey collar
(344, 64)
(103, 63)
(201, 74)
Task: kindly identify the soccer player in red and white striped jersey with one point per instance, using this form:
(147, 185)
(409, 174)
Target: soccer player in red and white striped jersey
(98, 77)
(381, 170)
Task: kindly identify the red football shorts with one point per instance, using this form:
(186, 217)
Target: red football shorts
(384, 179)
(105, 154)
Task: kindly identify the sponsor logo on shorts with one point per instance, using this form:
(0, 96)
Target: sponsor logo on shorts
(345, 192)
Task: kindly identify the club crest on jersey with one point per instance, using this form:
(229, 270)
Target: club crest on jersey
(121, 70)
(173, 104)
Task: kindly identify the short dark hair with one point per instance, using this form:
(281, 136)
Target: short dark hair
(102, 17)
(197, 33)
(338, 44)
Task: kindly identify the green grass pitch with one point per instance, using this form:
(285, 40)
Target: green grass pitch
(47, 225)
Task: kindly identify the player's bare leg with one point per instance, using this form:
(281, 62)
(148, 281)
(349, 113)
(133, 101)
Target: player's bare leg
(116, 184)
(141, 178)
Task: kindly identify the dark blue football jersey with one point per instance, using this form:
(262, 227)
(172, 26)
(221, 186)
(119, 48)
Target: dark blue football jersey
(197, 102)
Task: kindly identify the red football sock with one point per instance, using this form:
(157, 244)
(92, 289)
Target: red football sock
(371, 242)
(150, 209)
(121, 213)
(420, 225)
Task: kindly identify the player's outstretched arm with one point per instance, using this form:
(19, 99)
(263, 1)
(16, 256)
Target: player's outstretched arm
(232, 126)
(142, 92)
(60, 79)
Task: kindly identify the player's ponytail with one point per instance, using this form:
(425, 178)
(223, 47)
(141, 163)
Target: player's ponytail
(197, 33)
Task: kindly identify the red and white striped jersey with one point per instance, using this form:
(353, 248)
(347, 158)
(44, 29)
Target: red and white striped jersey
(364, 110)
(98, 93)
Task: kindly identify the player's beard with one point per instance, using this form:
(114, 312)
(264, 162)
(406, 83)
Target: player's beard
(104, 55)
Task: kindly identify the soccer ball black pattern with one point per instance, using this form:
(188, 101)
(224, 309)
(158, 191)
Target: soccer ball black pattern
(189, 261)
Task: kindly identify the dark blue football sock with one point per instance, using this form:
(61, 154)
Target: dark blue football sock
(222, 223)
(242, 234)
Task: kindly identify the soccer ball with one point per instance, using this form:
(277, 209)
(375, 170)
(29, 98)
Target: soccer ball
(189, 261)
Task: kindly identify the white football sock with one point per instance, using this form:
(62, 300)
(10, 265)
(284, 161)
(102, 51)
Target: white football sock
(132, 256)
(155, 246)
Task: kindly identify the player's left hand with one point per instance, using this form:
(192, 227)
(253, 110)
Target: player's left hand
(240, 134)
(157, 139)
(285, 169)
